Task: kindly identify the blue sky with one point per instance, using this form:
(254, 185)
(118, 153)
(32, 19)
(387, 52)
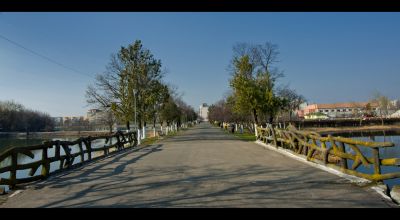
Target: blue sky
(327, 57)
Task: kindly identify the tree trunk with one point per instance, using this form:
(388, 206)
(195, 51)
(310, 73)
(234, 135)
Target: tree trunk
(154, 126)
(255, 116)
(127, 125)
(140, 124)
(144, 130)
(270, 119)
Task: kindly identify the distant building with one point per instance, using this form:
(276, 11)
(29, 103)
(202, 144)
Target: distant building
(395, 103)
(57, 120)
(99, 120)
(203, 112)
(316, 115)
(94, 115)
(396, 114)
(337, 110)
(73, 119)
(58, 123)
(74, 123)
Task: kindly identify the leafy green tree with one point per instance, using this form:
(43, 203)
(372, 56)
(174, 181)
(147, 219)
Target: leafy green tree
(157, 98)
(244, 88)
(170, 111)
(133, 74)
(254, 79)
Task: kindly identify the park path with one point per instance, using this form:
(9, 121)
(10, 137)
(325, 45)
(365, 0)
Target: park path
(201, 167)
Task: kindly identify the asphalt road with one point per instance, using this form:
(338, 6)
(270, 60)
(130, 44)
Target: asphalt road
(201, 167)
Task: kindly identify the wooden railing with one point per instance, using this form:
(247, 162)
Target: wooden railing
(62, 156)
(344, 154)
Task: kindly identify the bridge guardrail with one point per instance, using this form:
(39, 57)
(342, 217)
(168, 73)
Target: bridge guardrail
(333, 152)
(62, 155)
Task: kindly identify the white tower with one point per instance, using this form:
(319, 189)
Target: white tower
(203, 112)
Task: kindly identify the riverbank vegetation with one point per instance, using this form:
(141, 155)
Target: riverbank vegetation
(15, 117)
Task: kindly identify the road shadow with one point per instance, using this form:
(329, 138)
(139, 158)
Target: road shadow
(60, 180)
(248, 186)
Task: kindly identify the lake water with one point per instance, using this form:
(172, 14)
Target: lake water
(386, 152)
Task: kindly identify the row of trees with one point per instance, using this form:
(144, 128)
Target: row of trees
(385, 106)
(14, 117)
(256, 96)
(132, 89)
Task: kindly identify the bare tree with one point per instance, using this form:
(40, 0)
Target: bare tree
(383, 102)
(293, 100)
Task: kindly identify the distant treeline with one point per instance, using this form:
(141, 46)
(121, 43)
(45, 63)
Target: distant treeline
(14, 117)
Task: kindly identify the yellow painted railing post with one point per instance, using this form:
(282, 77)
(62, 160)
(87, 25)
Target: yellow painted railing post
(377, 165)
(343, 161)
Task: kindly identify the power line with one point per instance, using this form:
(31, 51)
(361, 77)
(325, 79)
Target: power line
(43, 56)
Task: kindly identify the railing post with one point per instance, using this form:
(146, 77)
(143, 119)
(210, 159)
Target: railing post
(133, 140)
(343, 161)
(377, 164)
(45, 161)
(57, 154)
(88, 144)
(325, 154)
(13, 172)
(68, 158)
(274, 136)
(305, 147)
(81, 151)
(118, 141)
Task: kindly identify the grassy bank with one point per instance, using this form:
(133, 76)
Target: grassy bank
(246, 136)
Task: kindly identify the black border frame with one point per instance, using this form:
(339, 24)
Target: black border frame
(200, 5)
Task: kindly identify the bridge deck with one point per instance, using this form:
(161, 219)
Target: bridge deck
(202, 167)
